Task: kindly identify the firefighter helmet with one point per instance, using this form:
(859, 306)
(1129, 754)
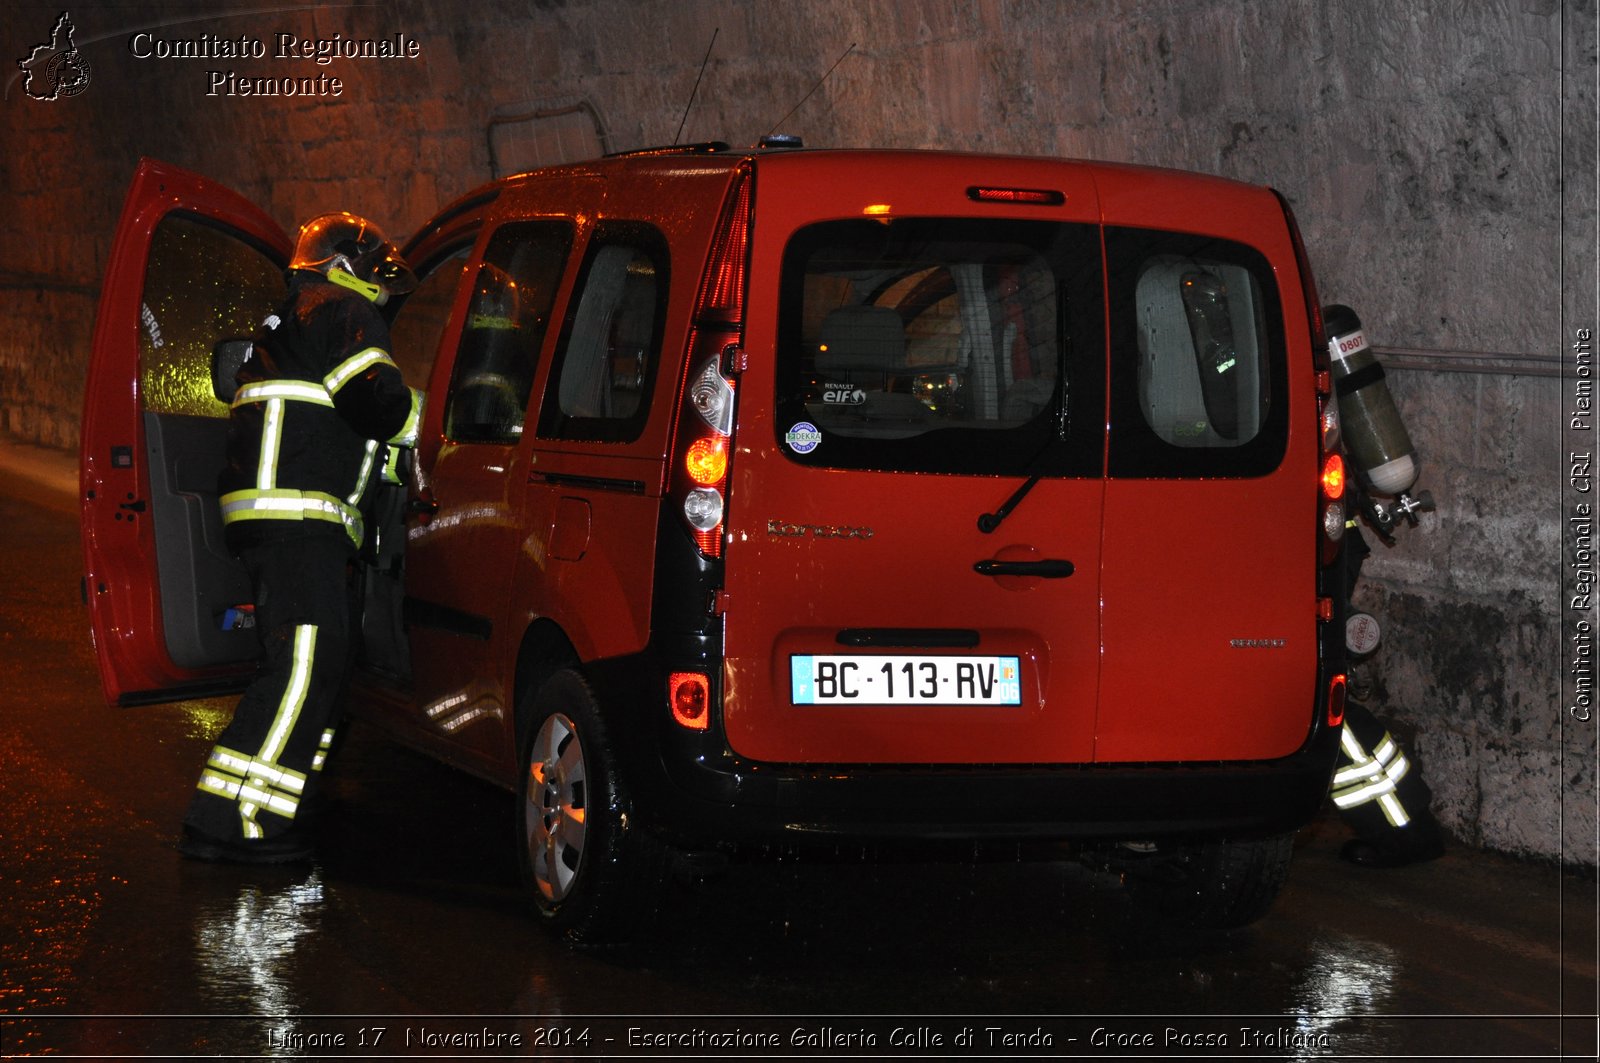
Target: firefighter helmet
(354, 246)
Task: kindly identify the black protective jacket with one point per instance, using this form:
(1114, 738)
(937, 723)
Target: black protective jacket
(318, 400)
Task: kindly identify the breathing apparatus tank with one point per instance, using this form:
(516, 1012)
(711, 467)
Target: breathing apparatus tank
(1374, 435)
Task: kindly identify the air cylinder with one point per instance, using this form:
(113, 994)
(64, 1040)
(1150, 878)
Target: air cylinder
(1374, 435)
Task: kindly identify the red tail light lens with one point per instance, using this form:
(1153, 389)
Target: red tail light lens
(690, 694)
(1333, 477)
(1332, 484)
(722, 292)
(1336, 693)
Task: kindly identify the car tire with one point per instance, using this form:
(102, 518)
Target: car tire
(1216, 885)
(589, 873)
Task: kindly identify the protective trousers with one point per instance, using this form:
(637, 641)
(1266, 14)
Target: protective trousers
(1379, 792)
(264, 765)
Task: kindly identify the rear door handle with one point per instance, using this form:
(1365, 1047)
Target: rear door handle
(1046, 568)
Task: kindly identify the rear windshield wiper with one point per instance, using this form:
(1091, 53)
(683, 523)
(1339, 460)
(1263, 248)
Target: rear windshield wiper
(988, 522)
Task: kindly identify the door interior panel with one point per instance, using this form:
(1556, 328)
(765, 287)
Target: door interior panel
(200, 580)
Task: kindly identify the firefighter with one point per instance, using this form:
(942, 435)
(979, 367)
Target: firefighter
(319, 412)
(1378, 791)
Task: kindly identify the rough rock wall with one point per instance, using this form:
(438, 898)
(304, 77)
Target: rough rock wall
(1424, 146)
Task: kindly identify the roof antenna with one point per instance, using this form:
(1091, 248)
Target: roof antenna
(678, 135)
(814, 88)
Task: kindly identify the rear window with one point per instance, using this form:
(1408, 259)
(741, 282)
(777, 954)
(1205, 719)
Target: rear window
(610, 347)
(942, 345)
(1197, 357)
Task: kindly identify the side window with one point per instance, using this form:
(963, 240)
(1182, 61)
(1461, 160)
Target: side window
(506, 322)
(611, 340)
(1198, 356)
(203, 283)
(419, 323)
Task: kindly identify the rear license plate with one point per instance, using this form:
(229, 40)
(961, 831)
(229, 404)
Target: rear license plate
(838, 679)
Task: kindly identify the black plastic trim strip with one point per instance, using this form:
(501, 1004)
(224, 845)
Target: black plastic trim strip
(594, 483)
(205, 688)
(1045, 568)
(941, 637)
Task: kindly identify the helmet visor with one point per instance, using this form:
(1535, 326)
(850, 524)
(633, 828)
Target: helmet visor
(391, 271)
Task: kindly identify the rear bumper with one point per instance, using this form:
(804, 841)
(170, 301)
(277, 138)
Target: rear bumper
(1067, 803)
(693, 790)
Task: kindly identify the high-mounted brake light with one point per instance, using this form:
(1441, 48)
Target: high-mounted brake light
(1039, 197)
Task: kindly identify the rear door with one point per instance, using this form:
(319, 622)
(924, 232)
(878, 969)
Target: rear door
(916, 494)
(1210, 556)
(191, 263)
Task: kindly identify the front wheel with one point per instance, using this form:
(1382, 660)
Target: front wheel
(585, 869)
(1211, 885)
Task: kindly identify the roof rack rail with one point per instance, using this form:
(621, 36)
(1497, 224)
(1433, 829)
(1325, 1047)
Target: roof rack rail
(705, 147)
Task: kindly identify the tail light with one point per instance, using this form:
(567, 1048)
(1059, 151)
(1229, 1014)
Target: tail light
(1330, 495)
(704, 443)
(1336, 692)
(1331, 484)
(703, 463)
(690, 695)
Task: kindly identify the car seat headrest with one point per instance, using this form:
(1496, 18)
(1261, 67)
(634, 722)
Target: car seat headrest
(861, 339)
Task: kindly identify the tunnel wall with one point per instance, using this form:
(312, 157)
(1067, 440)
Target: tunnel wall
(1428, 150)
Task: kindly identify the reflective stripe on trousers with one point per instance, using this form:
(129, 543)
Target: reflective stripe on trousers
(1371, 777)
(258, 782)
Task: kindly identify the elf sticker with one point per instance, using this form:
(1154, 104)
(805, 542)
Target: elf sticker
(802, 438)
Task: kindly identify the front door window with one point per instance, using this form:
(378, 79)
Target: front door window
(202, 284)
(504, 331)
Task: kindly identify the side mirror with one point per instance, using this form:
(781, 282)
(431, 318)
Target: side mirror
(226, 358)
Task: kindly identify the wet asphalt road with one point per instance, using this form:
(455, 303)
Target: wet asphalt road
(408, 936)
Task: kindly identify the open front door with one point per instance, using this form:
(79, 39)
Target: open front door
(192, 262)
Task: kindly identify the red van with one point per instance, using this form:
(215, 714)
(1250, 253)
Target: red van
(778, 493)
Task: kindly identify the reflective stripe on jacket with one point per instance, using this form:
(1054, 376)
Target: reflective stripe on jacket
(317, 401)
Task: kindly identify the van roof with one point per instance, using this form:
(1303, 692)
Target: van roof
(713, 159)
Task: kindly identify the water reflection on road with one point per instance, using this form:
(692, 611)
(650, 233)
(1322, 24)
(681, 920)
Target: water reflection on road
(245, 946)
(1343, 976)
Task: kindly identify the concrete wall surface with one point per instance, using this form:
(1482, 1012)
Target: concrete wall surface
(1439, 155)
